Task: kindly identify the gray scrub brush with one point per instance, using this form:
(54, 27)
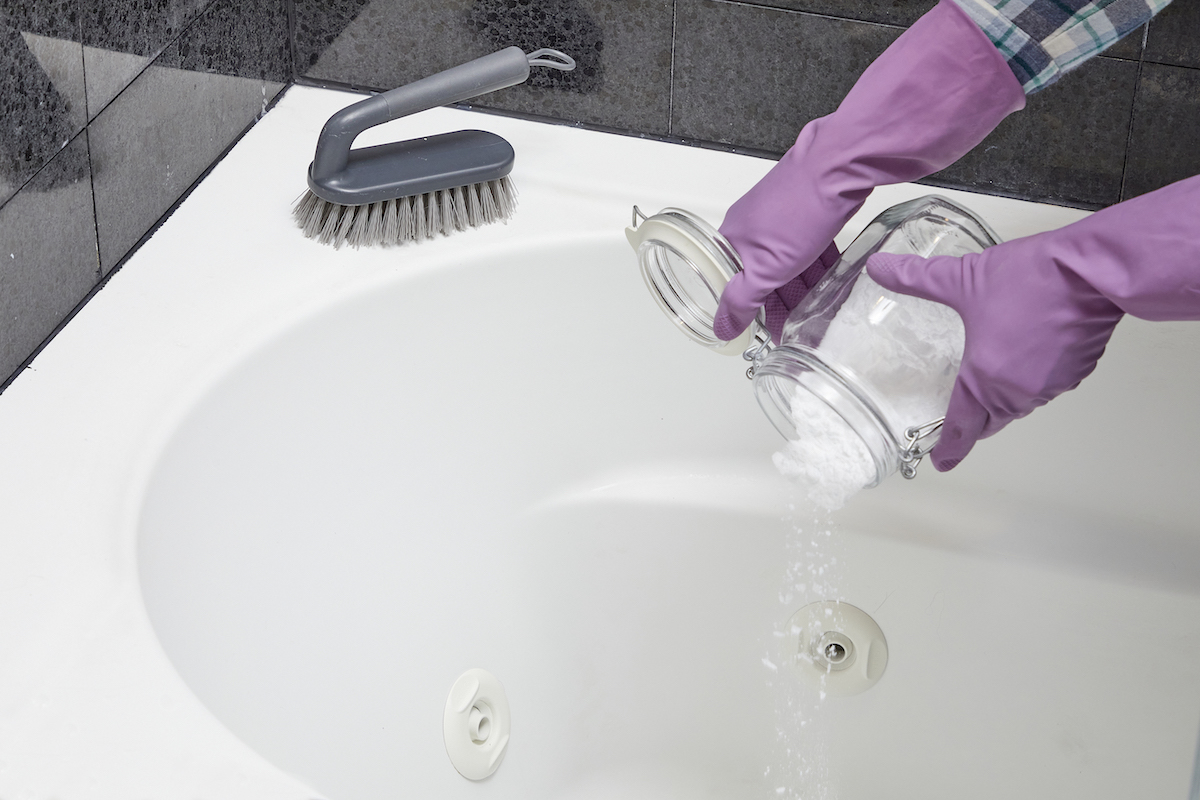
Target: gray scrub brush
(409, 191)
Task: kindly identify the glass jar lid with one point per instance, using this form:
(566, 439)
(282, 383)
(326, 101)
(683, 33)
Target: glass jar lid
(686, 263)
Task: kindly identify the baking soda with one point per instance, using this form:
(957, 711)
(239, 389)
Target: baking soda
(907, 352)
(800, 765)
(829, 461)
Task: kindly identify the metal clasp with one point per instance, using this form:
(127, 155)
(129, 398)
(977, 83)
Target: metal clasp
(638, 217)
(916, 446)
(758, 350)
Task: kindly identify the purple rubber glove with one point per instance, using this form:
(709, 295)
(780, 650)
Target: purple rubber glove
(1039, 311)
(935, 93)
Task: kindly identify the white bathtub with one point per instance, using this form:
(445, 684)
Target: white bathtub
(264, 502)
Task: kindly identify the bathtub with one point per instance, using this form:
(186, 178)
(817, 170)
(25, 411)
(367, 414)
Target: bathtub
(265, 501)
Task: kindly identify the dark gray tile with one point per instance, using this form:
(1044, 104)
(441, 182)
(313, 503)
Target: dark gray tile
(1066, 147)
(160, 134)
(890, 12)
(248, 38)
(906, 12)
(58, 19)
(122, 37)
(753, 77)
(318, 27)
(573, 27)
(1164, 145)
(41, 87)
(1174, 36)
(1130, 45)
(139, 27)
(623, 48)
(48, 259)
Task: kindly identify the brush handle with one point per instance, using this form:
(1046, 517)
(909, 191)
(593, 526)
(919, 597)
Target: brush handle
(501, 69)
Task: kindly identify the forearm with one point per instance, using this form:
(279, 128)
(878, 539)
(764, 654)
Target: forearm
(1143, 254)
(1044, 39)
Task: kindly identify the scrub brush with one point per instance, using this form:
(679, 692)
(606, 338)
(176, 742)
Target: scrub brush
(413, 190)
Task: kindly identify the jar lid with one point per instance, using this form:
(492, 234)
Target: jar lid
(686, 263)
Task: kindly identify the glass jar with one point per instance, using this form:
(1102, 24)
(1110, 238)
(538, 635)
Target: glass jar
(861, 377)
(686, 263)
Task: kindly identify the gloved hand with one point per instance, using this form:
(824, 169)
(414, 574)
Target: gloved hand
(935, 93)
(1039, 311)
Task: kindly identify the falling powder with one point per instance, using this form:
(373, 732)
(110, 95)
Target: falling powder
(909, 350)
(799, 766)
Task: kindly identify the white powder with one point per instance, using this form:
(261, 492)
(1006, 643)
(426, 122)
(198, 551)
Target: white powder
(906, 351)
(800, 766)
(829, 460)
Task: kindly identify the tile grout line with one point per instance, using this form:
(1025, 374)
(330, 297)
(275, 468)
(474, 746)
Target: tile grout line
(89, 118)
(671, 75)
(105, 277)
(87, 140)
(149, 59)
(805, 13)
(95, 212)
(290, 5)
(1137, 85)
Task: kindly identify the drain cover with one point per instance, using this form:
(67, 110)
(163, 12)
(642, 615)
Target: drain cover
(836, 647)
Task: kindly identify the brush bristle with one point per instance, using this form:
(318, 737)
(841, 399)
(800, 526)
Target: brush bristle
(406, 219)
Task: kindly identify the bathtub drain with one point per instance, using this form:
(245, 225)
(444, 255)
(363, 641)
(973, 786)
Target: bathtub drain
(836, 647)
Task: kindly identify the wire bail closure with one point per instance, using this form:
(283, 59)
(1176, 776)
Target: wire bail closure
(916, 446)
(757, 351)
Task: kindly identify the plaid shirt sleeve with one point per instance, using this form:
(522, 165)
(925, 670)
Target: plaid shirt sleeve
(1043, 39)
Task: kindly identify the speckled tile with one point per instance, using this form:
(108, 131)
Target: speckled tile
(753, 77)
(318, 26)
(58, 19)
(623, 48)
(1174, 36)
(48, 260)
(248, 38)
(121, 37)
(1164, 145)
(162, 132)
(41, 87)
(1066, 147)
(61, 60)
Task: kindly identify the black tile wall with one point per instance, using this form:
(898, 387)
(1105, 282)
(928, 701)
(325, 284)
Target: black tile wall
(747, 75)
(623, 50)
(752, 77)
(1164, 145)
(121, 38)
(1067, 146)
(47, 252)
(111, 109)
(1174, 36)
(239, 38)
(42, 102)
(888, 12)
(165, 129)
